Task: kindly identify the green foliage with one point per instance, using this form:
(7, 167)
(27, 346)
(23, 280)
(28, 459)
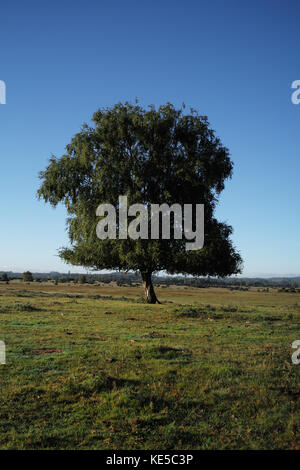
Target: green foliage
(151, 156)
(4, 277)
(81, 279)
(27, 276)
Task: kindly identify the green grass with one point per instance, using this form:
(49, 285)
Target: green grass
(92, 368)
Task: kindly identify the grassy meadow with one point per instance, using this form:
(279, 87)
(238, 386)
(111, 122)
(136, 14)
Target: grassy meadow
(93, 367)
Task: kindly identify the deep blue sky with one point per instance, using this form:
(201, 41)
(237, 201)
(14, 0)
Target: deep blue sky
(233, 61)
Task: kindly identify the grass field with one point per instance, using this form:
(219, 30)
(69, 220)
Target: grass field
(92, 367)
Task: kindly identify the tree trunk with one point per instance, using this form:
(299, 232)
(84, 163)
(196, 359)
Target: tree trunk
(150, 296)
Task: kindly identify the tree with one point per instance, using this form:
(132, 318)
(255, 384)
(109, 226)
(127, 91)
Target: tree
(4, 277)
(152, 156)
(27, 276)
(81, 279)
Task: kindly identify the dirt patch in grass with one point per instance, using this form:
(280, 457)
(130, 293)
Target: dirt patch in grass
(167, 353)
(39, 352)
(154, 334)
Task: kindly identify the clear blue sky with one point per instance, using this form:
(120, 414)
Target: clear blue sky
(233, 61)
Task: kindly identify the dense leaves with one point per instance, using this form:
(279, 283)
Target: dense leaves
(158, 156)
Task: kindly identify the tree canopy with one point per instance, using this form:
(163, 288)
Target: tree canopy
(4, 277)
(27, 276)
(153, 156)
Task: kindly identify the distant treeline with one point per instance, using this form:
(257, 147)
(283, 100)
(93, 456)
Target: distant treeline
(131, 279)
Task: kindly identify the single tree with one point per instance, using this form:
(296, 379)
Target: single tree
(27, 276)
(81, 279)
(4, 277)
(153, 156)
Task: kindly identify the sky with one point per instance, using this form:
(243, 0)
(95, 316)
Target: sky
(232, 61)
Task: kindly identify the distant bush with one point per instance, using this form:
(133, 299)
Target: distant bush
(4, 278)
(81, 279)
(291, 290)
(27, 276)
